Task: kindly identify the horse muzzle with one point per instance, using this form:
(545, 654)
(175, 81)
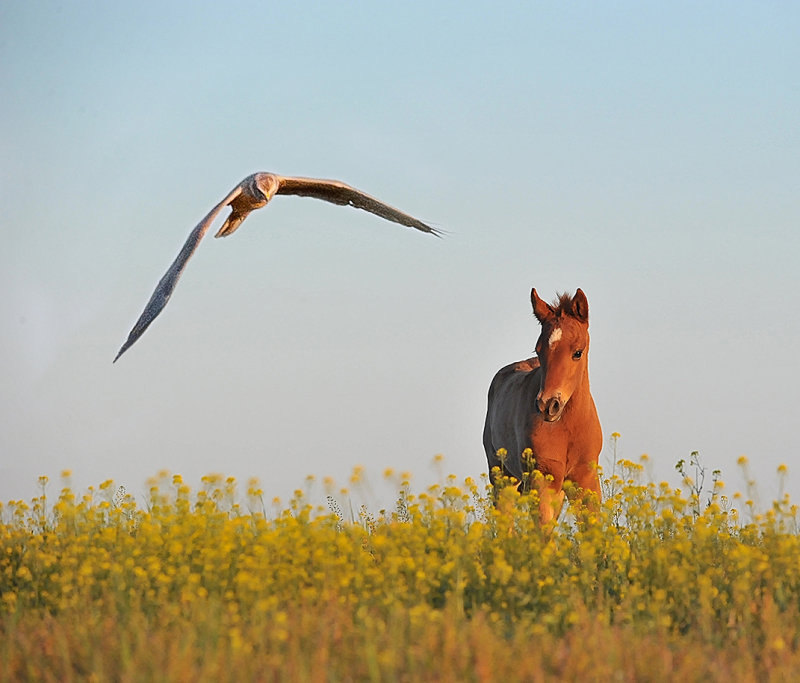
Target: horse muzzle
(552, 408)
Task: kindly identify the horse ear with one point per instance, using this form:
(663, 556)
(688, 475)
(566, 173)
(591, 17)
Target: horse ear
(580, 306)
(541, 309)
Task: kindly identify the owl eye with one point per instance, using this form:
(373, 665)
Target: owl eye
(577, 355)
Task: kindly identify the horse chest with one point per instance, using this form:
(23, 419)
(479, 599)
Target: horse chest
(568, 443)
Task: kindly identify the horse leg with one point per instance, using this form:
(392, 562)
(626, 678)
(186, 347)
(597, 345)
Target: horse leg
(586, 479)
(491, 454)
(550, 484)
(551, 500)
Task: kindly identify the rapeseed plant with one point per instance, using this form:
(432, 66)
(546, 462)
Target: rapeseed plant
(456, 583)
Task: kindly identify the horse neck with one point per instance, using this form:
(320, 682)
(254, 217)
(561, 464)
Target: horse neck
(583, 395)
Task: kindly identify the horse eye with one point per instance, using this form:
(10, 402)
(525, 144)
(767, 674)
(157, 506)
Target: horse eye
(577, 355)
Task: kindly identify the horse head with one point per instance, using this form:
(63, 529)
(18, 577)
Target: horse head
(563, 349)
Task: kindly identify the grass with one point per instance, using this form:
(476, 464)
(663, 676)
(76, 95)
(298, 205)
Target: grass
(662, 583)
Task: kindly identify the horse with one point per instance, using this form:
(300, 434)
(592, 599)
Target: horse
(544, 404)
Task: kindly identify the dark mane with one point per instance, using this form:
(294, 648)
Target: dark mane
(562, 304)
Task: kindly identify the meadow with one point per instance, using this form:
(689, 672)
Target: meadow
(662, 583)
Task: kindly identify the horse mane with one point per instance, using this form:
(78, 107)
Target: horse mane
(562, 304)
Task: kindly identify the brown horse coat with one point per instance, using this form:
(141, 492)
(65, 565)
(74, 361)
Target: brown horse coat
(544, 404)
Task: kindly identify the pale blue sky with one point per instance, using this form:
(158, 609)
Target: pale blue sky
(646, 152)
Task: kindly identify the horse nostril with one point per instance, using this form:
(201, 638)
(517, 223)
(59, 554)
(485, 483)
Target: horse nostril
(554, 407)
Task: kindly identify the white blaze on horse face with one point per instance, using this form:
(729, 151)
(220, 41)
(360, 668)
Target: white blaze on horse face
(555, 337)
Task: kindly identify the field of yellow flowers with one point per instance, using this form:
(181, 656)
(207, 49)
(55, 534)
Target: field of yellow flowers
(661, 584)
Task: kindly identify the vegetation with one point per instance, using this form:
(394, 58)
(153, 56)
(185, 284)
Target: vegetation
(659, 584)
